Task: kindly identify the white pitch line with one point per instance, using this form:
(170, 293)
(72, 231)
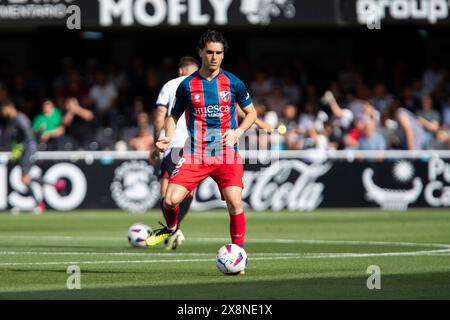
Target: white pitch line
(226, 240)
(144, 254)
(299, 256)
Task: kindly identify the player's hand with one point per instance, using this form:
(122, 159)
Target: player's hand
(162, 144)
(154, 156)
(231, 137)
(266, 127)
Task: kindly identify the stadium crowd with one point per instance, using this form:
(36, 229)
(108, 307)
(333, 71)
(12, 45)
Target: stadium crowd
(93, 107)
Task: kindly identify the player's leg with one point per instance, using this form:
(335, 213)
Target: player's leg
(229, 178)
(26, 162)
(170, 206)
(233, 199)
(168, 165)
(26, 180)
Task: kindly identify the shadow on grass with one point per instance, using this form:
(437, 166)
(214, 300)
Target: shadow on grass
(405, 286)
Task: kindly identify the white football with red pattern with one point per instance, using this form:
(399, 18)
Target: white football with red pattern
(137, 234)
(231, 259)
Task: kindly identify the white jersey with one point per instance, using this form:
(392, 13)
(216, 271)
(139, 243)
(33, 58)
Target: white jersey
(166, 98)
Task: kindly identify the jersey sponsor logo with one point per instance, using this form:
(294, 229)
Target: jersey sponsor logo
(197, 98)
(225, 95)
(213, 111)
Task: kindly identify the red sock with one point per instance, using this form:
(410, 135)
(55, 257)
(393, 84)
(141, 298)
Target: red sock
(171, 216)
(237, 228)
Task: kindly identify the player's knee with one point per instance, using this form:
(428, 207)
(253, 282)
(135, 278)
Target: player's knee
(171, 201)
(26, 180)
(235, 206)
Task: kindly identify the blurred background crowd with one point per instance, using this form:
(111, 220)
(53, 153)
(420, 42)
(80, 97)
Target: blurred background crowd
(93, 106)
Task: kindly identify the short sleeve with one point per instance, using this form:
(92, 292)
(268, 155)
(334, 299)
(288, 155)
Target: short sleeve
(180, 102)
(242, 96)
(163, 97)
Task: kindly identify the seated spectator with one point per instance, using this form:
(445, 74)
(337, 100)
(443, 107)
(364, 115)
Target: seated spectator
(353, 103)
(371, 139)
(143, 141)
(78, 122)
(48, 125)
(351, 140)
(289, 128)
(311, 125)
(103, 97)
(429, 119)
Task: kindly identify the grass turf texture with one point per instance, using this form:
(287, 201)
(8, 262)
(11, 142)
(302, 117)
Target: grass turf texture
(318, 255)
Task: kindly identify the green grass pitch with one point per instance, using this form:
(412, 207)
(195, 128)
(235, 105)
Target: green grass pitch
(318, 255)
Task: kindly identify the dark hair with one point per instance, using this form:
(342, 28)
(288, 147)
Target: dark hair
(187, 61)
(392, 109)
(212, 36)
(6, 103)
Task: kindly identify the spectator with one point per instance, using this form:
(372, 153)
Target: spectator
(381, 98)
(289, 128)
(410, 132)
(432, 79)
(351, 140)
(79, 126)
(310, 126)
(409, 101)
(103, 95)
(74, 88)
(371, 139)
(143, 139)
(429, 119)
(48, 125)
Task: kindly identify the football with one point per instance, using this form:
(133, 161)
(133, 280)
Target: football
(137, 234)
(231, 259)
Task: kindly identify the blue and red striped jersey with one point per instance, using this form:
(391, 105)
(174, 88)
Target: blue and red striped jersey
(210, 111)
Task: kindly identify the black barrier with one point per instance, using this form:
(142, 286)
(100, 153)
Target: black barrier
(287, 183)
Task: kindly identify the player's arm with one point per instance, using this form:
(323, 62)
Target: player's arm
(159, 120)
(170, 125)
(231, 137)
(259, 123)
(158, 125)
